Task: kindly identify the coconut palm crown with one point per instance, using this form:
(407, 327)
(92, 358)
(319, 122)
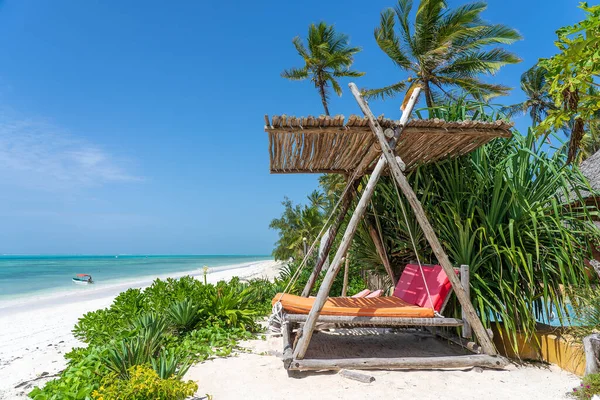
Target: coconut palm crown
(538, 102)
(327, 57)
(443, 50)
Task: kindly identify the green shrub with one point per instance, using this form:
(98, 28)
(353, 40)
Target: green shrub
(78, 380)
(143, 383)
(167, 326)
(590, 385)
(184, 315)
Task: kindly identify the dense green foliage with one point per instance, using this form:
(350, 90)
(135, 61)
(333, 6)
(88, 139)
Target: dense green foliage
(327, 57)
(503, 210)
(164, 328)
(573, 77)
(443, 49)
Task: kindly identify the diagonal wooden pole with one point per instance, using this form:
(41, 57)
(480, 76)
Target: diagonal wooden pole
(468, 309)
(313, 315)
(380, 248)
(345, 206)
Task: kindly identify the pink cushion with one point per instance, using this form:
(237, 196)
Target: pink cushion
(362, 293)
(411, 288)
(376, 293)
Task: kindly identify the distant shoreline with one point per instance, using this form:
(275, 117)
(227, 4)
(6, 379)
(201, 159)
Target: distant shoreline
(39, 278)
(110, 287)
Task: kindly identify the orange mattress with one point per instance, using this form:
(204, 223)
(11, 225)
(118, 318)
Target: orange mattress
(360, 307)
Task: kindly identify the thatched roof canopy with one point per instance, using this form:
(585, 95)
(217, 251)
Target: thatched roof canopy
(333, 145)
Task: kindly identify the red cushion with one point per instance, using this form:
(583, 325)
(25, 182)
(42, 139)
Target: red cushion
(411, 288)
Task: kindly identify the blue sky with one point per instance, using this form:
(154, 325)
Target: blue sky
(138, 127)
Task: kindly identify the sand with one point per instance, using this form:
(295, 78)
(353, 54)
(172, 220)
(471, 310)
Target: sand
(35, 334)
(260, 375)
(34, 337)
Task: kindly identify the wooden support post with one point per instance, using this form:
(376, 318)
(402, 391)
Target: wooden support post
(359, 211)
(465, 282)
(591, 348)
(438, 250)
(333, 230)
(287, 344)
(346, 271)
(379, 246)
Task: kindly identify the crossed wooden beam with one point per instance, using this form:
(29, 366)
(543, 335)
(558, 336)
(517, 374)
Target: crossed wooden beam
(396, 166)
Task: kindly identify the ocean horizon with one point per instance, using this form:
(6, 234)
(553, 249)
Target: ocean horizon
(31, 275)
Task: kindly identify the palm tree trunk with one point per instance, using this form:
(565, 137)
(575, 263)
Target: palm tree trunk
(321, 85)
(428, 96)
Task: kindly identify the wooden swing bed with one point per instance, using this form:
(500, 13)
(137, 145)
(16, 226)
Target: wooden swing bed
(373, 146)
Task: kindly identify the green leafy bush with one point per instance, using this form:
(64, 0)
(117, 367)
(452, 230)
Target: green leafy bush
(165, 327)
(78, 380)
(143, 383)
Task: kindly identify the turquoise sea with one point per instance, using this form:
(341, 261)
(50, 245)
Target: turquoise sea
(26, 276)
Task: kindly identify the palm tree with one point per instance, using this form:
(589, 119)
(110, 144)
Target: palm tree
(538, 101)
(443, 50)
(327, 58)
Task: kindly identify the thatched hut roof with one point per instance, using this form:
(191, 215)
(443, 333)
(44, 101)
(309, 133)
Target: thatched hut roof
(591, 169)
(333, 145)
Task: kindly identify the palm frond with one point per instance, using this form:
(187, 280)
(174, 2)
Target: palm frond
(295, 74)
(384, 92)
(388, 41)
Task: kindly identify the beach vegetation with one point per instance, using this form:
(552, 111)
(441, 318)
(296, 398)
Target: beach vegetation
(506, 211)
(184, 315)
(443, 50)
(590, 386)
(572, 76)
(327, 57)
(143, 383)
(147, 339)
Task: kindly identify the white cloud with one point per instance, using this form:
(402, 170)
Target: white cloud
(37, 154)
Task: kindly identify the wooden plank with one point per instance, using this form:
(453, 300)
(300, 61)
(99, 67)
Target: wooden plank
(380, 248)
(333, 230)
(436, 246)
(309, 326)
(464, 343)
(465, 282)
(377, 321)
(468, 361)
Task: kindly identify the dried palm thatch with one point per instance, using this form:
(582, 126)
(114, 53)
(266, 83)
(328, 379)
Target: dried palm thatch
(332, 145)
(591, 169)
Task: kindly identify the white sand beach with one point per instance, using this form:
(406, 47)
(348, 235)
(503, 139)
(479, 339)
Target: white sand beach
(259, 374)
(36, 333)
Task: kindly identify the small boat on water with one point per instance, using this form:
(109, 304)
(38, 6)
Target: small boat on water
(83, 279)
